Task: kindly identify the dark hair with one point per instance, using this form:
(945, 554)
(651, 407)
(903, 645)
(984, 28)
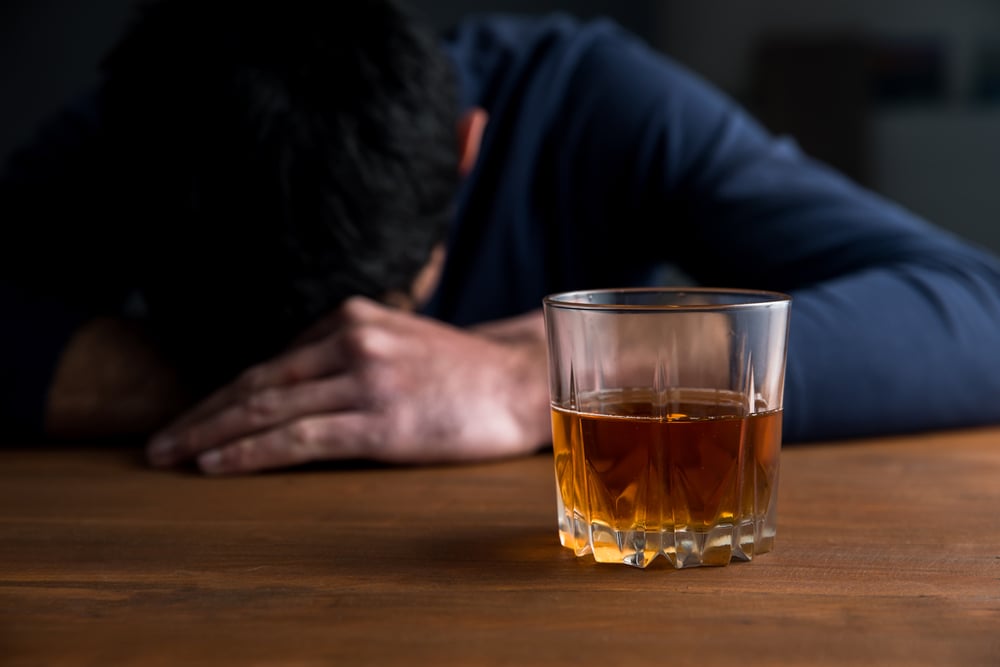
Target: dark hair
(284, 154)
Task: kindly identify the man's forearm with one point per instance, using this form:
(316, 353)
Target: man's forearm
(527, 327)
(111, 381)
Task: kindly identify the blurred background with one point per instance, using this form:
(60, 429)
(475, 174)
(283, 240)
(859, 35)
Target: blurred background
(902, 95)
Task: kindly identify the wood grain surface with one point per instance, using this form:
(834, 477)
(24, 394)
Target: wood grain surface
(888, 553)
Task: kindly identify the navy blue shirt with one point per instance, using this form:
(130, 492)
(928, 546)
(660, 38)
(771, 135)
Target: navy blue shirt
(602, 162)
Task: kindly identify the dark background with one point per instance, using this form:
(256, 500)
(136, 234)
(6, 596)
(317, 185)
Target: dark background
(902, 95)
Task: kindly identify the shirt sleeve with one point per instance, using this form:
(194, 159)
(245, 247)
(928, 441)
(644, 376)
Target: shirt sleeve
(36, 329)
(60, 262)
(895, 322)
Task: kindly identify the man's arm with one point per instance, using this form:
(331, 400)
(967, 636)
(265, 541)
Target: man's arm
(111, 380)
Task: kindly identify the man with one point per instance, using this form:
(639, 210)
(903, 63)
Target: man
(341, 232)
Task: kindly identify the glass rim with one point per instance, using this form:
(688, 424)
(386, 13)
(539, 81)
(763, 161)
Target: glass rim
(749, 298)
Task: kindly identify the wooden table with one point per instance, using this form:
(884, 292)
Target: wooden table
(888, 553)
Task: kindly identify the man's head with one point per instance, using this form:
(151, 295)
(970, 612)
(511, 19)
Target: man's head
(281, 155)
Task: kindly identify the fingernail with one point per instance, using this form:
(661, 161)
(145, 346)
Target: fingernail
(210, 461)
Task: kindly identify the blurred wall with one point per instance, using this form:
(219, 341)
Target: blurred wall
(923, 129)
(932, 143)
(49, 50)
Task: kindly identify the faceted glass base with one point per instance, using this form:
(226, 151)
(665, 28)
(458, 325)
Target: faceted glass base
(682, 548)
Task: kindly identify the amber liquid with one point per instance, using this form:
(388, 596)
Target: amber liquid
(691, 477)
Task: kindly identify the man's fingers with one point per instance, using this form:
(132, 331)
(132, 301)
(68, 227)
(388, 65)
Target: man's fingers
(254, 413)
(325, 349)
(328, 437)
(254, 389)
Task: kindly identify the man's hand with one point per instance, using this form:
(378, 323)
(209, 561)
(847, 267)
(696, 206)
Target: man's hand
(376, 383)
